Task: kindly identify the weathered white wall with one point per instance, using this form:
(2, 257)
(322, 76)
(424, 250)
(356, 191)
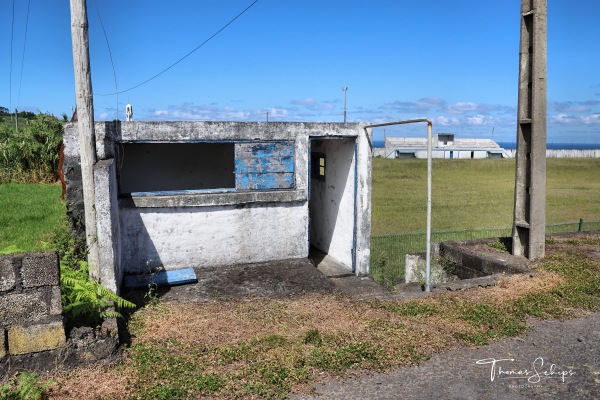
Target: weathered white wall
(467, 154)
(181, 229)
(567, 153)
(457, 154)
(572, 153)
(211, 236)
(362, 250)
(108, 227)
(332, 202)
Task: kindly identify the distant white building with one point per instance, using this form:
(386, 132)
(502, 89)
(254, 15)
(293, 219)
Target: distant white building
(444, 146)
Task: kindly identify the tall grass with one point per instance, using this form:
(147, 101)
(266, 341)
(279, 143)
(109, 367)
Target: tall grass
(30, 154)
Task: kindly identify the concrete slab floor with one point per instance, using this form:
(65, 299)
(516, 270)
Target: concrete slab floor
(276, 280)
(327, 265)
(289, 278)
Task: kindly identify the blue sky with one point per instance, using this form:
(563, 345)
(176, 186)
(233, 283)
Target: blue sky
(455, 62)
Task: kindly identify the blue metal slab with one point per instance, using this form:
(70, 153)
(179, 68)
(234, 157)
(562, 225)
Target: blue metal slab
(261, 149)
(264, 181)
(163, 278)
(264, 166)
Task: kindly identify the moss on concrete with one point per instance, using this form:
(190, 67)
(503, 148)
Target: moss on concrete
(35, 338)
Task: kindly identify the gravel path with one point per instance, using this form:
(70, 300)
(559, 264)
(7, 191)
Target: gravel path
(554, 360)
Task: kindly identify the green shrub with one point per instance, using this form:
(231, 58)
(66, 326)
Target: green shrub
(30, 154)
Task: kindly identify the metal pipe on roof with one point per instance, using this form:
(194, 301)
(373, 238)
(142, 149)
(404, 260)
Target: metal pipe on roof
(429, 168)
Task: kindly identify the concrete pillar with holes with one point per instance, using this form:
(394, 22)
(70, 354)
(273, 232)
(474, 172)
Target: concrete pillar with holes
(530, 180)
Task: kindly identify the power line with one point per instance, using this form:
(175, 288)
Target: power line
(12, 34)
(23, 58)
(184, 57)
(110, 55)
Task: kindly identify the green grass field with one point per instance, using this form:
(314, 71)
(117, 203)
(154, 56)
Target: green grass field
(29, 214)
(471, 199)
(476, 193)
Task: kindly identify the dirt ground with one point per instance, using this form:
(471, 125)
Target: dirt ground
(554, 359)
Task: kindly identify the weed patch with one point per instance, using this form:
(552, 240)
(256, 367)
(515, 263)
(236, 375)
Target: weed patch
(24, 386)
(408, 308)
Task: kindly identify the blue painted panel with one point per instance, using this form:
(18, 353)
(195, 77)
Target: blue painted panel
(163, 278)
(282, 149)
(264, 181)
(264, 165)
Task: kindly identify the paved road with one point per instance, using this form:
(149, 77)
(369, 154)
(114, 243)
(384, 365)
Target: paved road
(554, 360)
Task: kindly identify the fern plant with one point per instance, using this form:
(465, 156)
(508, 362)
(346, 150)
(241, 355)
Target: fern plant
(84, 300)
(24, 387)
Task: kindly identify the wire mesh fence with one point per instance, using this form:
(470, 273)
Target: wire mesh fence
(388, 252)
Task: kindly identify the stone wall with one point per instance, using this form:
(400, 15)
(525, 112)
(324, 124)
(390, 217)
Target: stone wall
(30, 304)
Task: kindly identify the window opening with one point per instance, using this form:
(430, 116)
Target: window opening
(318, 166)
(157, 167)
(172, 167)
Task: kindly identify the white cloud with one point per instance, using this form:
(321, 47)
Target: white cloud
(570, 107)
(562, 119)
(277, 112)
(593, 119)
(428, 103)
(462, 107)
(422, 105)
(444, 121)
(476, 120)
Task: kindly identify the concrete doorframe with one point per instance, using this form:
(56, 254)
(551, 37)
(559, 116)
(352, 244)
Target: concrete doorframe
(333, 185)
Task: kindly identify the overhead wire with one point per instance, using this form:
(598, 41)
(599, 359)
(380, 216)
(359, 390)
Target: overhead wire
(12, 34)
(184, 57)
(23, 57)
(110, 55)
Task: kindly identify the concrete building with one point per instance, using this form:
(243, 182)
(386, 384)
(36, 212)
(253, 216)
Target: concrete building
(445, 145)
(174, 195)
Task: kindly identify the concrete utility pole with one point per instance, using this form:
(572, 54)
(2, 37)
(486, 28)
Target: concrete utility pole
(530, 181)
(85, 125)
